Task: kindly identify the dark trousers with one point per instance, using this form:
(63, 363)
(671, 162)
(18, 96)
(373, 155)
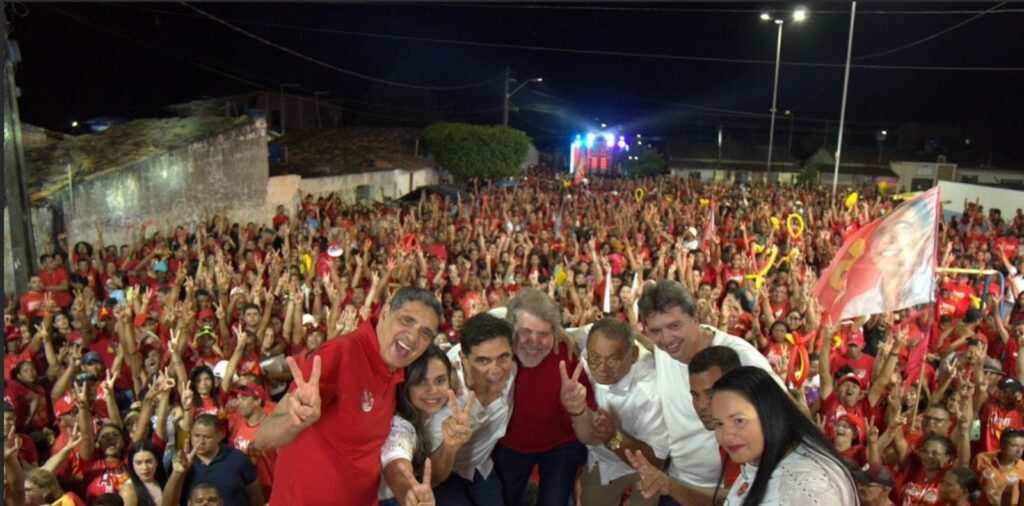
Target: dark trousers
(458, 491)
(558, 467)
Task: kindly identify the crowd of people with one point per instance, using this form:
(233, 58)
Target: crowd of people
(652, 341)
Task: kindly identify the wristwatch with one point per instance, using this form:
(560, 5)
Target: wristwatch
(615, 442)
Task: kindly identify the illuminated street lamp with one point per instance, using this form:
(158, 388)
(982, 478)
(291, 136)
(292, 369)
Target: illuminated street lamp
(800, 14)
(508, 94)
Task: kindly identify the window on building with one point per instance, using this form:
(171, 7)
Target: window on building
(364, 192)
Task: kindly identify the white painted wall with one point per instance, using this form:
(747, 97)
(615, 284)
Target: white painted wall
(991, 197)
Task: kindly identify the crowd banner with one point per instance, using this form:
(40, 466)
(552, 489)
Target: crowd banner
(887, 265)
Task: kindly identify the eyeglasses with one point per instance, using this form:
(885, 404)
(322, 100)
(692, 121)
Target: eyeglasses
(933, 419)
(611, 362)
(935, 454)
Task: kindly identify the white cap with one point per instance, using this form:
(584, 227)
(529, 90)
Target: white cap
(692, 230)
(308, 319)
(220, 369)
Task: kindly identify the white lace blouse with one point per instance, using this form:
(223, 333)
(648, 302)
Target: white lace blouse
(802, 478)
(400, 444)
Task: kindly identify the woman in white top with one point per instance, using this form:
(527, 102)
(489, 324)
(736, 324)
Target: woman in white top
(785, 458)
(405, 463)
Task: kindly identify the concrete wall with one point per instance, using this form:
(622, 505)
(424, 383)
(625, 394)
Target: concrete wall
(989, 176)
(42, 227)
(226, 171)
(953, 195)
(909, 171)
(395, 183)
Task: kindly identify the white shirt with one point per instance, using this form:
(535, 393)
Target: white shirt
(488, 424)
(694, 450)
(802, 477)
(634, 400)
(400, 444)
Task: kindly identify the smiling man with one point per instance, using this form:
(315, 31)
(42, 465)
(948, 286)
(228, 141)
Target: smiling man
(669, 313)
(330, 428)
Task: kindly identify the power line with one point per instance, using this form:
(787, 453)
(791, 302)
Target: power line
(616, 53)
(331, 66)
(680, 9)
(932, 36)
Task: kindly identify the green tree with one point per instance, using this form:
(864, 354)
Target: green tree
(646, 162)
(808, 175)
(486, 152)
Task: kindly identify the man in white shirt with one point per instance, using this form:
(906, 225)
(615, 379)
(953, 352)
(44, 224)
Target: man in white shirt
(669, 312)
(628, 416)
(484, 364)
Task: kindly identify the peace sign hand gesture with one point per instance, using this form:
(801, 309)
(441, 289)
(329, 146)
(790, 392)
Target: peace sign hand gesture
(457, 430)
(653, 481)
(574, 394)
(304, 401)
(420, 493)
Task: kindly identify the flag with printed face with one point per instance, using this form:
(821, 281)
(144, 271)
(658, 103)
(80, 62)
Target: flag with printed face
(887, 265)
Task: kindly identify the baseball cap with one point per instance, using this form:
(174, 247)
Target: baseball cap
(63, 406)
(206, 314)
(1011, 383)
(252, 390)
(160, 267)
(993, 365)
(856, 422)
(335, 249)
(856, 339)
(91, 357)
(692, 231)
(220, 369)
(13, 335)
(105, 313)
(874, 474)
(308, 319)
(850, 377)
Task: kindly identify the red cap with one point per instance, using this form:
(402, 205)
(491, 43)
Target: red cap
(141, 319)
(948, 285)
(63, 406)
(253, 390)
(856, 339)
(13, 335)
(850, 377)
(857, 423)
(105, 313)
(206, 314)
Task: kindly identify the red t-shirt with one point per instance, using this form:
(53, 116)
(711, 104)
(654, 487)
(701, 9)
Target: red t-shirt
(337, 459)
(862, 367)
(240, 436)
(832, 408)
(994, 419)
(912, 488)
(53, 278)
(539, 422)
(732, 469)
(32, 304)
(100, 477)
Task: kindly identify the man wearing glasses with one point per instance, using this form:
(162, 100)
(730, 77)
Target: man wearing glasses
(628, 416)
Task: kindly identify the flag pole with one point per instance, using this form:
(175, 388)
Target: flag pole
(842, 110)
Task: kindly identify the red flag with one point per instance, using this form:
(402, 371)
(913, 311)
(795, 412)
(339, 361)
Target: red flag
(710, 230)
(887, 265)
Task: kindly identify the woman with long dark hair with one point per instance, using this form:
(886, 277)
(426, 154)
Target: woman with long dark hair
(427, 388)
(785, 457)
(147, 476)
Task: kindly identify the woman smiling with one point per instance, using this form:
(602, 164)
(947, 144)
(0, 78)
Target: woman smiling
(785, 457)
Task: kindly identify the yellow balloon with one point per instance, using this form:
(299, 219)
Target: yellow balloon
(704, 202)
(758, 248)
(795, 234)
(566, 183)
(639, 194)
(560, 277)
(883, 186)
(852, 200)
(776, 223)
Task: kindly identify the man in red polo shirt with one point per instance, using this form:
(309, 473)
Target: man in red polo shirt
(541, 430)
(330, 429)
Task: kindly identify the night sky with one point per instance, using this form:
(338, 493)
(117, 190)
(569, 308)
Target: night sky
(131, 60)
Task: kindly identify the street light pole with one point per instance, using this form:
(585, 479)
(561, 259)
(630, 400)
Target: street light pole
(316, 99)
(775, 96)
(842, 112)
(508, 94)
(282, 104)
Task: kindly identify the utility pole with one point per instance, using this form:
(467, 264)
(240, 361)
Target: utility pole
(23, 257)
(316, 98)
(504, 98)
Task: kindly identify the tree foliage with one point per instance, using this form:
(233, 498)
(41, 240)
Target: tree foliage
(808, 175)
(647, 163)
(467, 151)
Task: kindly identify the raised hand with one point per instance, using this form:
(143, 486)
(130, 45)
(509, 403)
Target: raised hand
(12, 444)
(653, 481)
(304, 401)
(182, 461)
(457, 430)
(574, 394)
(420, 494)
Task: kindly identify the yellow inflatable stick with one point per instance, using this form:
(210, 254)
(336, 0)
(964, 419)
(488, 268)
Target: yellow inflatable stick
(639, 195)
(789, 225)
(759, 276)
(776, 223)
(852, 200)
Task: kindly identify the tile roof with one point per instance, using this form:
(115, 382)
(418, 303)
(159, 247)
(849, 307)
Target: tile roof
(119, 146)
(350, 150)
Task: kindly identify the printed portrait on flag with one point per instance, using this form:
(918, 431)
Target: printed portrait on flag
(885, 266)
